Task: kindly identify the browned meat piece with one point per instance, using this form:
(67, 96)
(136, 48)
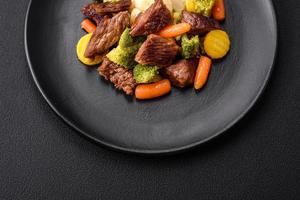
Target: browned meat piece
(157, 51)
(156, 17)
(89, 11)
(182, 73)
(107, 34)
(200, 24)
(121, 77)
(96, 11)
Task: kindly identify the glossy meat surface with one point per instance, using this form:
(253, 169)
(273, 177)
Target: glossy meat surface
(121, 77)
(157, 51)
(107, 34)
(96, 11)
(200, 24)
(156, 17)
(182, 73)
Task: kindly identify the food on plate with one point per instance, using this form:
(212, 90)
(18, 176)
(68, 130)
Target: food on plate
(146, 46)
(88, 26)
(125, 52)
(175, 30)
(134, 13)
(157, 51)
(190, 46)
(153, 90)
(202, 72)
(80, 49)
(218, 10)
(177, 17)
(199, 23)
(203, 7)
(97, 11)
(145, 4)
(178, 5)
(107, 33)
(120, 76)
(156, 17)
(182, 73)
(146, 74)
(216, 44)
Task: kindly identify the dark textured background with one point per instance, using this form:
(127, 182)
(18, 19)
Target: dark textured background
(42, 158)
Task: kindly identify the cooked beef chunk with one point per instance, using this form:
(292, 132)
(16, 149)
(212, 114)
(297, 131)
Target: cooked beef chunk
(157, 51)
(200, 24)
(107, 34)
(90, 11)
(121, 77)
(96, 11)
(156, 17)
(182, 73)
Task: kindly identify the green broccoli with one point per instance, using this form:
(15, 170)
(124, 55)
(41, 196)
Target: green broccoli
(190, 47)
(177, 17)
(200, 6)
(125, 52)
(145, 74)
(123, 57)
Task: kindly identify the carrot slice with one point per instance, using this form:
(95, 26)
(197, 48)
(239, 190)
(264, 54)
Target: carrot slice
(175, 30)
(218, 10)
(202, 73)
(154, 90)
(88, 26)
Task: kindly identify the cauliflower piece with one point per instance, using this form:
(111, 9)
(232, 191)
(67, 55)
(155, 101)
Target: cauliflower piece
(145, 4)
(134, 13)
(178, 5)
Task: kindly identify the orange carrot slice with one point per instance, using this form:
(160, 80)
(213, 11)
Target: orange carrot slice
(88, 26)
(154, 90)
(202, 73)
(218, 10)
(175, 30)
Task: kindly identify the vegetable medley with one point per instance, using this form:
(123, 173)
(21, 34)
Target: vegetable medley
(144, 47)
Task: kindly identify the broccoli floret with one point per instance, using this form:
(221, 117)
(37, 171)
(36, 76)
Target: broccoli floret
(126, 40)
(125, 52)
(190, 47)
(177, 17)
(123, 56)
(145, 74)
(200, 6)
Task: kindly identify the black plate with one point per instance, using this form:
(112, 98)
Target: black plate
(176, 122)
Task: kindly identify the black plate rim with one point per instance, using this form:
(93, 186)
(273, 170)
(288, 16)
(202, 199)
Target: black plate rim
(154, 152)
